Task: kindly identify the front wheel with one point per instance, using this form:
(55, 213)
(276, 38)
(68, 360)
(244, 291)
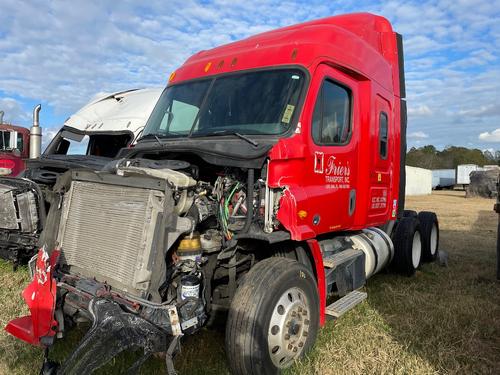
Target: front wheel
(273, 319)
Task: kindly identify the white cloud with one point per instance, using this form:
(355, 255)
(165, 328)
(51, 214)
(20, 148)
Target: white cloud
(14, 113)
(79, 48)
(47, 135)
(421, 110)
(417, 135)
(493, 136)
(489, 110)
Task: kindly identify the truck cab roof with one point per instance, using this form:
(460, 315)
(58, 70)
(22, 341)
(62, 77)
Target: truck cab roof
(362, 43)
(119, 111)
(9, 127)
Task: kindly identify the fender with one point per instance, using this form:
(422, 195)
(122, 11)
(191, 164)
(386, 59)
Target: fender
(320, 274)
(40, 327)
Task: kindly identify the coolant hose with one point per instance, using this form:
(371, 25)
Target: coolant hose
(246, 228)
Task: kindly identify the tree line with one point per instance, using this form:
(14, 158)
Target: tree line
(430, 158)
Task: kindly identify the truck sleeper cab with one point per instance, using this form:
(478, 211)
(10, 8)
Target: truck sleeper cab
(269, 175)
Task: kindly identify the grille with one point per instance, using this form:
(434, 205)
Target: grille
(107, 232)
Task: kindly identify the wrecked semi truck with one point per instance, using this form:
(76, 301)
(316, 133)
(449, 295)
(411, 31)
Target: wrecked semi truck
(269, 177)
(89, 139)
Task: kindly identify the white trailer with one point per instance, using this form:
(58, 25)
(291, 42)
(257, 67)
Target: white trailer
(418, 181)
(464, 171)
(443, 178)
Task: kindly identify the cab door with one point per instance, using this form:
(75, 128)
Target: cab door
(333, 149)
(382, 154)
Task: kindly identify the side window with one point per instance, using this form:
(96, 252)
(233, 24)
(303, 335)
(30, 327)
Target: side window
(4, 140)
(72, 147)
(20, 142)
(383, 135)
(331, 124)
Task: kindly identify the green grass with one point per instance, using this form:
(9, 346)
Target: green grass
(442, 321)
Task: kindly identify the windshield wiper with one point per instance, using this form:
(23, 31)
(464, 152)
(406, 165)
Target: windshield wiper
(158, 136)
(152, 135)
(228, 132)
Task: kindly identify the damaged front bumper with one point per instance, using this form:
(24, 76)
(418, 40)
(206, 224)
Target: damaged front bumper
(118, 324)
(114, 331)
(40, 327)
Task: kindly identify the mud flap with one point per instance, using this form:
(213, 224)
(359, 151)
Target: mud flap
(113, 331)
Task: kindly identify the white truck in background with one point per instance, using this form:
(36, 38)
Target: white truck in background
(89, 139)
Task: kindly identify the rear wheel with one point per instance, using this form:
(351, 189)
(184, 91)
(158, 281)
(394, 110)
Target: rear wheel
(407, 246)
(410, 213)
(273, 319)
(429, 227)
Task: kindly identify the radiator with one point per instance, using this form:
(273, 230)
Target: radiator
(107, 233)
(18, 210)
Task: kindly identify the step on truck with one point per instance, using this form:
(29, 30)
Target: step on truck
(268, 180)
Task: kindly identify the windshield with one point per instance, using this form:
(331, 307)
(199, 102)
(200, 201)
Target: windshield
(261, 102)
(5, 140)
(67, 142)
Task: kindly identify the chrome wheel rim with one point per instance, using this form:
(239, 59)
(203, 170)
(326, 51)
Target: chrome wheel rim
(416, 249)
(288, 328)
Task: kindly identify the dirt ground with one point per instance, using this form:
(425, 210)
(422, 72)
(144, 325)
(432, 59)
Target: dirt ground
(442, 321)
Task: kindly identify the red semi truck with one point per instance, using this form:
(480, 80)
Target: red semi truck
(14, 148)
(269, 177)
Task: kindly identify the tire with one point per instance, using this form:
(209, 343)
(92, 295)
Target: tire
(429, 228)
(275, 308)
(407, 246)
(410, 213)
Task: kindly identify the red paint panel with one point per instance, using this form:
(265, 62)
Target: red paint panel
(40, 296)
(320, 274)
(11, 165)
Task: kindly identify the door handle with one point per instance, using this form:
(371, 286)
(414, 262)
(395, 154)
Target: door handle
(352, 201)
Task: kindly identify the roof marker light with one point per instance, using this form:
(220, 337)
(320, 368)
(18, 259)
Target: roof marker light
(172, 76)
(207, 67)
(294, 54)
(234, 61)
(221, 64)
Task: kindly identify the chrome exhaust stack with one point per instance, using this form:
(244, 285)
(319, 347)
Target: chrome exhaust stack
(36, 134)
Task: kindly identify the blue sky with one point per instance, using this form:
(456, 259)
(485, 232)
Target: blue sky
(62, 53)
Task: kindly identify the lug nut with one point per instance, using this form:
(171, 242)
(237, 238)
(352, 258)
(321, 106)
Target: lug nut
(287, 337)
(306, 321)
(295, 349)
(294, 314)
(301, 344)
(290, 347)
(305, 334)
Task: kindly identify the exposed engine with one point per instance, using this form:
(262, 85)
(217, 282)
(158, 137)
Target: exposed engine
(155, 236)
